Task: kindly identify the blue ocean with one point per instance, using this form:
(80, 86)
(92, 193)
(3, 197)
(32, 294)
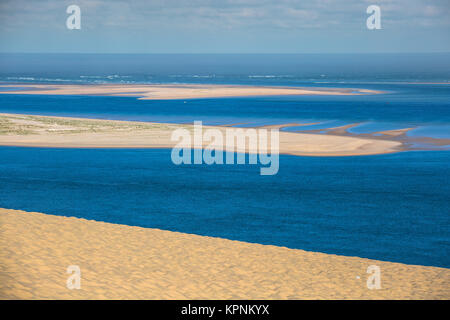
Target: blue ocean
(393, 207)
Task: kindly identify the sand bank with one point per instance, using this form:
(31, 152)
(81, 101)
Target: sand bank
(123, 262)
(176, 91)
(42, 131)
(399, 135)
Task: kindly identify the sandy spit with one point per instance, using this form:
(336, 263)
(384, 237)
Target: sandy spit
(44, 131)
(176, 91)
(124, 262)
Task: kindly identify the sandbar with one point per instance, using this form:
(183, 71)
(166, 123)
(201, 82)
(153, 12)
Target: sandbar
(176, 91)
(62, 132)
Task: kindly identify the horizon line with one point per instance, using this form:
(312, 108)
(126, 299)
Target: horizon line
(234, 53)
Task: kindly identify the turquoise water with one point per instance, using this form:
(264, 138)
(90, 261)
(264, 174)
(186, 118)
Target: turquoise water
(436, 131)
(372, 127)
(391, 207)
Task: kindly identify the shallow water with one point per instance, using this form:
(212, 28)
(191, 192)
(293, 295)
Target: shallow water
(372, 127)
(435, 131)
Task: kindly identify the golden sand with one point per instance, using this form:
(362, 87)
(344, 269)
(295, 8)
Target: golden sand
(124, 262)
(177, 91)
(42, 131)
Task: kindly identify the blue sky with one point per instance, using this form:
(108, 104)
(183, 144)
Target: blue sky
(225, 26)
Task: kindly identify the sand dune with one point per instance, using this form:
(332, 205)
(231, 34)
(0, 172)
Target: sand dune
(41, 131)
(176, 91)
(123, 262)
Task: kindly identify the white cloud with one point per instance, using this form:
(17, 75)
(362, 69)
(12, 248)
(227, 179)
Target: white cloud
(194, 14)
(212, 25)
